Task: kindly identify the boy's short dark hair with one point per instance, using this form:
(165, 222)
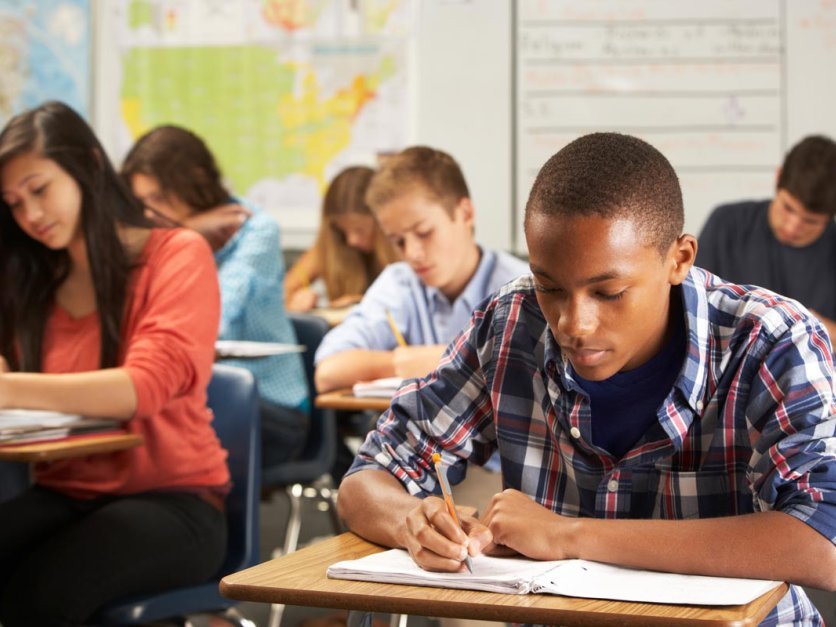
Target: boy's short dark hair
(809, 174)
(612, 176)
(418, 169)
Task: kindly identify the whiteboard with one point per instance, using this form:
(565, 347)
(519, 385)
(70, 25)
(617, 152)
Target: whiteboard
(722, 88)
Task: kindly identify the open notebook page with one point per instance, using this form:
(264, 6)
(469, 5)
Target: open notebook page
(579, 578)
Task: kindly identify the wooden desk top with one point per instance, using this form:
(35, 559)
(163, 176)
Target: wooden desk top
(74, 446)
(345, 400)
(299, 579)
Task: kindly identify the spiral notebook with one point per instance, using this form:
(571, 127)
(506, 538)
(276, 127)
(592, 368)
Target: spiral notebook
(574, 578)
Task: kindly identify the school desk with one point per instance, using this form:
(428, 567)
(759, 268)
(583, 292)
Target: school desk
(345, 400)
(73, 446)
(299, 579)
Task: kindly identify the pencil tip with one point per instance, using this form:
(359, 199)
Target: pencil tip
(468, 562)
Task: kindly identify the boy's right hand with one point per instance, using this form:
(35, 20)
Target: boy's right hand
(436, 542)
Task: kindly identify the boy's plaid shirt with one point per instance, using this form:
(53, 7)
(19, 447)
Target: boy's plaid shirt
(749, 425)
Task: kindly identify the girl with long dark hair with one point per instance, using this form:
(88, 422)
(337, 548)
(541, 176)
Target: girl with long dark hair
(103, 315)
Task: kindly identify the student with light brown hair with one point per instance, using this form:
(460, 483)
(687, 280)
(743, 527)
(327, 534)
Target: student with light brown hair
(349, 251)
(422, 203)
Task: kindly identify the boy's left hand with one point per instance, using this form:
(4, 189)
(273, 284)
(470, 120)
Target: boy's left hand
(416, 361)
(526, 527)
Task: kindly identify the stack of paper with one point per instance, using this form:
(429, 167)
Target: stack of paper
(26, 425)
(577, 578)
(239, 348)
(379, 388)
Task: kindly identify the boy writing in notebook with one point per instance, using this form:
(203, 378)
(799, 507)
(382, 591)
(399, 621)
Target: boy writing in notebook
(646, 413)
(422, 204)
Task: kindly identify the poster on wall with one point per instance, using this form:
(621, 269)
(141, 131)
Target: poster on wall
(286, 93)
(44, 54)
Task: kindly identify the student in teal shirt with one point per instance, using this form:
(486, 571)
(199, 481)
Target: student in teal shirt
(173, 173)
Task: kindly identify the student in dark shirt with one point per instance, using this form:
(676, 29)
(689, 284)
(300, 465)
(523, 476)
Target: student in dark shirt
(786, 244)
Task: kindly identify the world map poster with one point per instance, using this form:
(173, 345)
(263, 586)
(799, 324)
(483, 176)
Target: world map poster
(285, 92)
(44, 54)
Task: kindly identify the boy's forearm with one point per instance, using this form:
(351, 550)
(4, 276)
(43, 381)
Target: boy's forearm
(374, 505)
(347, 368)
(768, 545)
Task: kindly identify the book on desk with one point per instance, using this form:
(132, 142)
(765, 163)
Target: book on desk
(377, 388)
(24, 426)
(576, 578)
(243, 349)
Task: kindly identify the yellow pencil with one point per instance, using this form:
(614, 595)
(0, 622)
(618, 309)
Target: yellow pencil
(448, 499)
(303, 279)
(395, 330)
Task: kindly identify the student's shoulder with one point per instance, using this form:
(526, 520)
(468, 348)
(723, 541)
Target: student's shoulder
(511, 313)
(510, 263)
(260, 222)
(175, 256)
(164, 242)
(518, 292)
(733, 307)
(742, 212)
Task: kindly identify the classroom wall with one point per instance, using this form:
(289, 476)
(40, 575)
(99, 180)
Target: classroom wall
(722, 88)
(468, 92)
(463, 102)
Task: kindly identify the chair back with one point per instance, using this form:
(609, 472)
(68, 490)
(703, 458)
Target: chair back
(233, 399)
(320, 448)
(14, 479)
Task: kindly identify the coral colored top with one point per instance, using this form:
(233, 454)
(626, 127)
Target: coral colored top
(167, 350)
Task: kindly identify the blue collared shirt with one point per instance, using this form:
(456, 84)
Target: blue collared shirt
(748, 426)
(423, 314)
(251, 271)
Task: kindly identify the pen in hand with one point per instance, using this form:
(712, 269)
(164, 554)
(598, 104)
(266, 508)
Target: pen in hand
(448, 500)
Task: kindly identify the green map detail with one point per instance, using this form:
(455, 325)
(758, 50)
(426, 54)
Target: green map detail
(241, 100)
(140, 13)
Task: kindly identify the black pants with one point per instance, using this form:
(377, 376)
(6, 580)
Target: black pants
(283, 433)
(61, 558)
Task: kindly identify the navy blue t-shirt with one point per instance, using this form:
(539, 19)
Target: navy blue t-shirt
(624, 406)
(737, 244)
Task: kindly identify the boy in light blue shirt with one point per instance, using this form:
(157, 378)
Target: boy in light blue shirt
(422, 203)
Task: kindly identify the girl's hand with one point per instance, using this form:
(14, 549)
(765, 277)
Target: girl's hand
(219, 224)
(303, 299)
(345, 300)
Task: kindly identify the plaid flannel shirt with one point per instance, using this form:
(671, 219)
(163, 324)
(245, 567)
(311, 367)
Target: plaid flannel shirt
(748, 426)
